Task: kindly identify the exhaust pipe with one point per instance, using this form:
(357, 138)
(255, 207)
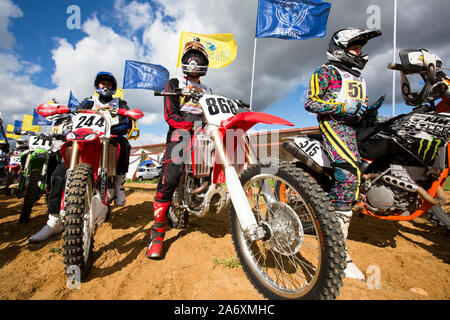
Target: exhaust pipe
(407, 186)
(299, 154)
(441, 199)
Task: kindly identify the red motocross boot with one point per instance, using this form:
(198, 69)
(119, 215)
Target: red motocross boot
(158, 230)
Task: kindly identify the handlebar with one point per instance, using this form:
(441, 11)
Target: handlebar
(44, 135)
(395, 66)
(196, 95)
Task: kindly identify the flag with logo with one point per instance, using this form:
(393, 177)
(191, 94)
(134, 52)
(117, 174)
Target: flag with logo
(292, 19)
(39, 120)
(27, 124)
(73, 102)
(221, 48)
(143, 75)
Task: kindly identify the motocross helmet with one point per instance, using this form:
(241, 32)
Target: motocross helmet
(427, 65)
(105, 76)
(343, 39)
(198, 66)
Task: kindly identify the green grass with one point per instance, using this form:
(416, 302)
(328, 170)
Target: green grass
(154, 181)
(230, 263)
(55, 250)
(447, 185)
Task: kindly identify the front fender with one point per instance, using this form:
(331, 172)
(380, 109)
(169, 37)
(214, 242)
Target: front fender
(246, 120)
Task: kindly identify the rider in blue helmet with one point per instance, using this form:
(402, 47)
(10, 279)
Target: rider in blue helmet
(105, 85)
(102, 87)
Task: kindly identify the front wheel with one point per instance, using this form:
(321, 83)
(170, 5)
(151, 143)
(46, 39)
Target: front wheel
(302, 255)
(31, 195)
(78, 240)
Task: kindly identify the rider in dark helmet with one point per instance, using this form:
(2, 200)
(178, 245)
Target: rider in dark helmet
(105, 85)
(337, 94)
(180, 114)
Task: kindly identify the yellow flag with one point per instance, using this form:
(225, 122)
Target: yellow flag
(221, 47)
(27, 124)
(10, 132)
(120, 93)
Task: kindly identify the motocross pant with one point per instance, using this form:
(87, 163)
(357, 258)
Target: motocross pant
(124, 156)
(340, 142)
(171, 169)
(58, 182)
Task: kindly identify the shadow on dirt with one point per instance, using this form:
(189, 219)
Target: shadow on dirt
(383, 234)
(15, 234)
(134, 243)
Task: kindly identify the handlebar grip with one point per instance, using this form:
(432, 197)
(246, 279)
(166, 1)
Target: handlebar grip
(395, 66)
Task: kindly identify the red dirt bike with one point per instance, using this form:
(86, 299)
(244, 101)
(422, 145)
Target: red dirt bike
(91, 158)
(289, 242)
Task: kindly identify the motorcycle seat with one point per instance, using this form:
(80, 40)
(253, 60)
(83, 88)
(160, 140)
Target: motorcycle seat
(315, 136)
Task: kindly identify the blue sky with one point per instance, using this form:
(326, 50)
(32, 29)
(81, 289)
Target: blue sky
(47, 59)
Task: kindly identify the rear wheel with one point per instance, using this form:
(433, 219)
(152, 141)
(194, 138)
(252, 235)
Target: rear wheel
(177, 218)
(302, 255)
(32, 194)
(78, 240)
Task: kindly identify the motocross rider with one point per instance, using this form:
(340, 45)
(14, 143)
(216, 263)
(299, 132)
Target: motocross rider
(62, 125)
(106, 86)
(180, 114)
(337, 94)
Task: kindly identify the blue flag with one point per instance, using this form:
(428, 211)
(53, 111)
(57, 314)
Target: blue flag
(292, 19)
(17, 126)
(141, 75)
(39, 120)
(73, 102)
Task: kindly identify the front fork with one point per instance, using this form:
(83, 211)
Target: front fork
(238, 198)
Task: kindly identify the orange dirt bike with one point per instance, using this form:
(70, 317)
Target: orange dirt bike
(405, 160)
(91, 158)
(289, 242)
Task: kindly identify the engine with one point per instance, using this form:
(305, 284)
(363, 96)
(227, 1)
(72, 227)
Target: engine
(394, 191)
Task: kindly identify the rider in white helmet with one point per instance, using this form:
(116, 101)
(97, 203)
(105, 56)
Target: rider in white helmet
(337, 94)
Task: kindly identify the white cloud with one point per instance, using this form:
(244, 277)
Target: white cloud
(150, 32)
(148, 138)
(136, 15)
(19, 94)
(8, 10)
(151, 118)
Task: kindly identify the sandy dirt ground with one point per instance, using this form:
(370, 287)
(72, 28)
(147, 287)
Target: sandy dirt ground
(412, 258)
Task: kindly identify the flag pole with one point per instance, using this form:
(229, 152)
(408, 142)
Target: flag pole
(394, 51)
(253, 75)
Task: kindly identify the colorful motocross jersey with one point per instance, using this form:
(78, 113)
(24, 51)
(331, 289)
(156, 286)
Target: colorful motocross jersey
(330, 88)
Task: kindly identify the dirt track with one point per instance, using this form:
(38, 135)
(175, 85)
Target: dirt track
(413, 258)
